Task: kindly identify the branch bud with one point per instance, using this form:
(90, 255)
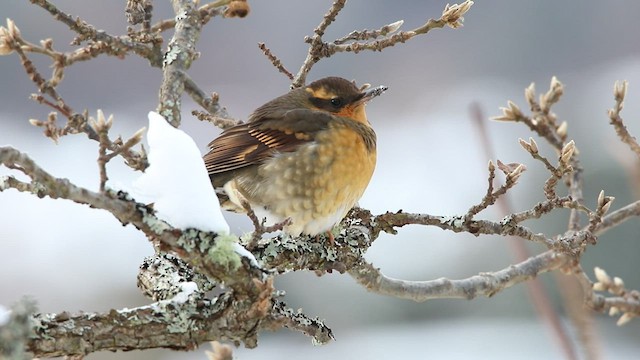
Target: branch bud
(530, 146)
(452, 14)
(530, 94)
(567, 152)
(562, 129)
(391, 28)
(525, 145)
(137, 137)
(625, 318)
(5, 42)
(613, 311)
(602, 276)
(620, 90)
(601, 198)
(599, 287)
(618, 282)
(14, 32)
(491, 167)
(510, 113)
(552, 96)
(534, 145)
(515, 174)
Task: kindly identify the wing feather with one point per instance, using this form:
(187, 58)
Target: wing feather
(254, 142)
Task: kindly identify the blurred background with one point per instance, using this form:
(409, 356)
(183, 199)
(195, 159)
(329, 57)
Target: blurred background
(69, 257)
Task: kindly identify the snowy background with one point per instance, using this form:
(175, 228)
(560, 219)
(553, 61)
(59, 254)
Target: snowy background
(69, 257)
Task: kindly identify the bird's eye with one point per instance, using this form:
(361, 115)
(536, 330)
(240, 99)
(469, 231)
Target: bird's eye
(336, 102)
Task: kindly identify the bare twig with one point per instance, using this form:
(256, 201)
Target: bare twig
(621, 301)
(543, 122)
(617, 217)
(619, 92)
(370, 34)
(221, 122)
(316, 45)
(319, 49)
(274, 60)
(386, 222)
(259, 227)
(540, 298)
(43, 85)
(512, 175)
(86, 31)
(102, 127)
(209, 103)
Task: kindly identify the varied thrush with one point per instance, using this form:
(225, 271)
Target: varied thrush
(306, 156)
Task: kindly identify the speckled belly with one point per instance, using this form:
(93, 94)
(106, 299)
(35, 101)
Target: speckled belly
(315, 186)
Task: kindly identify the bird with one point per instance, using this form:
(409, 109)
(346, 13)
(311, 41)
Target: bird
(304, 158)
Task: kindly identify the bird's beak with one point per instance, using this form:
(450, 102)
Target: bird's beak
(371, 93)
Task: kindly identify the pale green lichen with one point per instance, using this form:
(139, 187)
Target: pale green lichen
(186, 240)
(156, 225)
(40, 326)
(172, 54)
(205, 241)
(182, 322)
(330, 254)
(223, 253)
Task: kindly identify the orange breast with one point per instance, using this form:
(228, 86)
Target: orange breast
(317, 184)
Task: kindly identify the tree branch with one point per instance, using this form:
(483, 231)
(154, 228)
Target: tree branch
(484, 284)
(181, 52)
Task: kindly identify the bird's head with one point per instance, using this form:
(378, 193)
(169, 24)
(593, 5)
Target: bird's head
(341, 97)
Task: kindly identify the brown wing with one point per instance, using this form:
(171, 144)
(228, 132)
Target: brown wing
(254, 142)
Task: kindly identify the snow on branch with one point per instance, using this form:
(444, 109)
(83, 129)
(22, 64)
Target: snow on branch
(177, 182)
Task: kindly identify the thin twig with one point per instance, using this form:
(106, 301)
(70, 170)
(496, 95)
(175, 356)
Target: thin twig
(617, 217)
(259, 227)
(87, 31)
(221, 122)
(274, 60)
(540, 297)
(620, 91)
(492, 196)
(209, 103)
(319, 49)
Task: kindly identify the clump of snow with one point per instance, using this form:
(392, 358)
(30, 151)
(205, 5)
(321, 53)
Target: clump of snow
(186, 289)
(177, 181)
(242, 251)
